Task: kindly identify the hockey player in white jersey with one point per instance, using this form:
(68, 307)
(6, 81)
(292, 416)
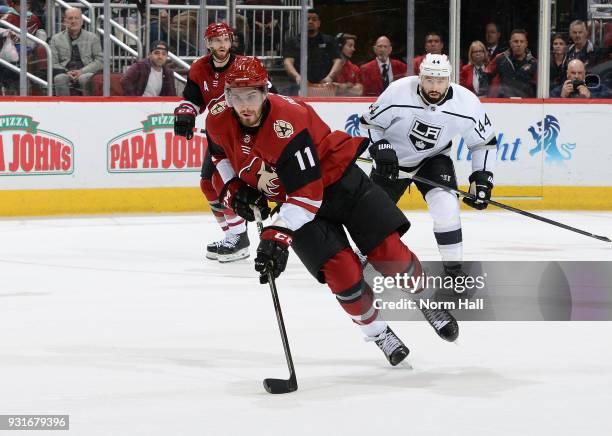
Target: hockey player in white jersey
(411, 127)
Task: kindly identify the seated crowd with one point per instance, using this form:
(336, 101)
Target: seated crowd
(492, 69)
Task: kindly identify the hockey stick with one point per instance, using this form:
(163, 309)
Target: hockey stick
(498, 204)
(278, 385)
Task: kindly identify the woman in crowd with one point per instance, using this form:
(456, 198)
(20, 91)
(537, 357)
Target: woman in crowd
(473, 76)
(559, 48)
(348, 81)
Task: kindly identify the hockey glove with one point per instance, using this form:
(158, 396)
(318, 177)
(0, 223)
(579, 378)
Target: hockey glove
(272, 252)
(184, 120)
(385, 157)
(242, 198)
(481, 183)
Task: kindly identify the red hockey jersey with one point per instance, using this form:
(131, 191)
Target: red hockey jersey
(290, 157)
(205, 82)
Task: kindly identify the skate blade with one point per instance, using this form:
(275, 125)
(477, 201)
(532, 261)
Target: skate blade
(241, 254)
(405, 364)
(211, 256)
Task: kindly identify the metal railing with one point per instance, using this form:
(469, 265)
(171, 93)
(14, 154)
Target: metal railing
(179, 23)
(174, 58)
(126, 15)
(265, 29)
(600, 14)
(49, 83)
(182, 27)
(120, 60)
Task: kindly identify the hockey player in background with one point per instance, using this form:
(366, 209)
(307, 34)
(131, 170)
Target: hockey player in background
(204, 87)
(411, 127)
(267, 146)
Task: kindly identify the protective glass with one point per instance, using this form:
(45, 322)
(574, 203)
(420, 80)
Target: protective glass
(241, 97)
(219, 41)
(439, 83)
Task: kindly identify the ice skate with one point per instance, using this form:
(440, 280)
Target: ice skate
(443, 322)
(455, 270)
(212, 249)
(391, 345)
(234, 247)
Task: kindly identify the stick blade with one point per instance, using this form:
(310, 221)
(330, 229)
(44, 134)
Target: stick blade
(279, 386)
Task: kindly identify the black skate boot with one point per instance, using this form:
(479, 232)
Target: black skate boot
(443, 322)
(454, 270)
(391, 345)
(234, 247)
(212, 249)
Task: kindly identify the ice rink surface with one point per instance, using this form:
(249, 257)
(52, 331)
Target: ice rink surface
(121, 323)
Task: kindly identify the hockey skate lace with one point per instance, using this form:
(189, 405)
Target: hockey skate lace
(438, 318)
(230, 241)
(387, 342)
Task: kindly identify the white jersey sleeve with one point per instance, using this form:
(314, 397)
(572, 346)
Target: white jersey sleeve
(480, 139)
(379, 116)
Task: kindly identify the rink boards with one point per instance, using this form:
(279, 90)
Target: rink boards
(98, 155)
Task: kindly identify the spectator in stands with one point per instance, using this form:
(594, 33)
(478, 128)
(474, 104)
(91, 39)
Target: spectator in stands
(77, 55)
(576, 85)
(33, 22)
(348, 81)
(157, 16)
(176, 26)
(150, 77)
(473, 75)
(433, 44)
(513, 73)
(324, 62)
(492, 38)
(11, 14)
(581, 48)
(557, 72)
(266, 25)
(377, 74)
(9, 79)
(238, 43)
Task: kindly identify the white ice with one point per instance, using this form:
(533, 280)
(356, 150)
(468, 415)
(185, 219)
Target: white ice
(121, 323)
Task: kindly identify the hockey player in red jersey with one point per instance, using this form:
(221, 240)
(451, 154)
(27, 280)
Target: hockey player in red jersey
(267, 146)
(204, 88)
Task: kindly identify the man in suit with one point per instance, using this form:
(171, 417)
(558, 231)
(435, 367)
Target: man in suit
(377, 74)
(492, 38)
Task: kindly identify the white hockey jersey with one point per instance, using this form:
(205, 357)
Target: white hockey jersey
(417, 130)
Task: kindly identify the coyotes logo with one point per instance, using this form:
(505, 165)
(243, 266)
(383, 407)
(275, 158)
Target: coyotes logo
(218, 108)
(283, 129)
(258, 173)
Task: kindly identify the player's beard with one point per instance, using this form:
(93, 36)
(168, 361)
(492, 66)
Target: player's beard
(433, 99)
(250, 118)
(429, 99)
(220, 56)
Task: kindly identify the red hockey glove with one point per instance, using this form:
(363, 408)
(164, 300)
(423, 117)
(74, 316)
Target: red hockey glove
(242, 198)
(272, 252)
(184, 120)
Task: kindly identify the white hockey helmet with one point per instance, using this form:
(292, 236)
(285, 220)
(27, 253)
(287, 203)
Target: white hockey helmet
(435, 65)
